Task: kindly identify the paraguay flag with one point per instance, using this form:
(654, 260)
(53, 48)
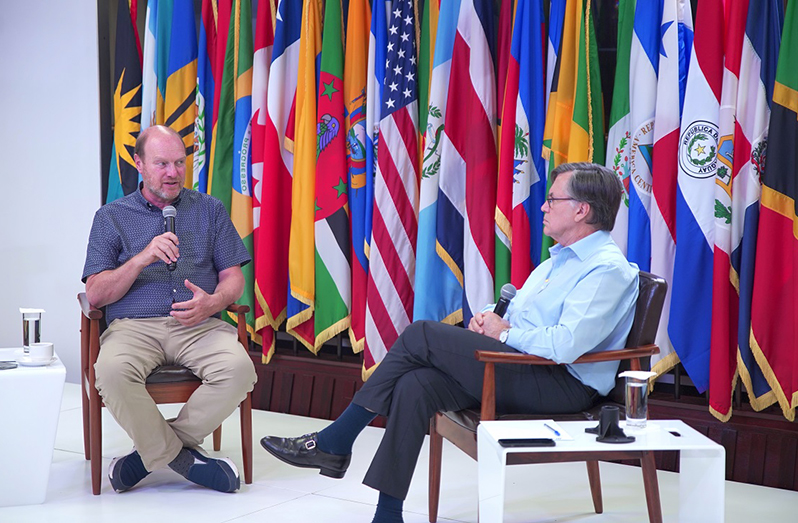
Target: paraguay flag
(691, 305)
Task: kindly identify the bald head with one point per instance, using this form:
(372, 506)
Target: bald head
(146, 134)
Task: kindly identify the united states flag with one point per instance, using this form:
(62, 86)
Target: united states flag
(389, 307)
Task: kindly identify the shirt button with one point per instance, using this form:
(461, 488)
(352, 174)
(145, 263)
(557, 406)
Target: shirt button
(174, 290)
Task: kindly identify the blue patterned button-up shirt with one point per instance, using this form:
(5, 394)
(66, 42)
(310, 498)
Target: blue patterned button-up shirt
(209, 244)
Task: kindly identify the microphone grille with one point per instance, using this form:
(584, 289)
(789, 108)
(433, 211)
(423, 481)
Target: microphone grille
(170, 211)
(508, 291)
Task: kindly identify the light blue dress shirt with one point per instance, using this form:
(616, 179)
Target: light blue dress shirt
(580, 300)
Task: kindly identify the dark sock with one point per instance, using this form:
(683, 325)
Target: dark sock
(339, 437)
(389, 509)
(182, 462)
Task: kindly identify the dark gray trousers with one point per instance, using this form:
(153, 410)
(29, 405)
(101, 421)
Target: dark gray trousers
(431, 368)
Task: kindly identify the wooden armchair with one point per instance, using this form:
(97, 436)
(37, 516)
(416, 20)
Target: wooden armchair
(460, 427)
(166, 384)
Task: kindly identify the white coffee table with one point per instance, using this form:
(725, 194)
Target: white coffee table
(701, 462)
(29, 410)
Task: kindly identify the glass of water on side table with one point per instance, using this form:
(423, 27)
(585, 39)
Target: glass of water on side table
(636, 398)
(31, 327)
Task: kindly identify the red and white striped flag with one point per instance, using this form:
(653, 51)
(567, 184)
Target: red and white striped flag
(389, 303)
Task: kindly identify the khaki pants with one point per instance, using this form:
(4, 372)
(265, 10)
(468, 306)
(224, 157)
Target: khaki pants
(132, 348)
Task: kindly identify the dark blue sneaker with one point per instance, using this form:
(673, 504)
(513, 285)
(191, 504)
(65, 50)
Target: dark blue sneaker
(214, 473)
(126, 471)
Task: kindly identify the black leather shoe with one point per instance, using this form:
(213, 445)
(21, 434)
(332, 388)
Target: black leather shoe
(302, 452)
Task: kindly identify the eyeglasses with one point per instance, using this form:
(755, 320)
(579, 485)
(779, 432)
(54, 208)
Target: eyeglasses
(553, 199)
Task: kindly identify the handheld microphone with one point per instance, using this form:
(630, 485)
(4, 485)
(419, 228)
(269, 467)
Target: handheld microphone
(507, 294)
(169, 213)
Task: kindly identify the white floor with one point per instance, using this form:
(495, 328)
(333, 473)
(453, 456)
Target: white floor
(280, 493)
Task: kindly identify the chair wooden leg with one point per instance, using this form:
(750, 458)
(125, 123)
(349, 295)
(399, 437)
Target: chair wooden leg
(652, 487)
(246, 437)
(217, 439)
(85, 412)
(595, 485)
(435, 459)
(96, 441)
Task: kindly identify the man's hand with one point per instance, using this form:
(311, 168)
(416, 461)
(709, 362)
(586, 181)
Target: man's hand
(489, 324)
(162, 247)
(110, 285)
(476, 323)
(197, 309)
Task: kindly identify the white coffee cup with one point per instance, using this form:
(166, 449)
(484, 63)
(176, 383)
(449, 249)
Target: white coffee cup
(41, 352)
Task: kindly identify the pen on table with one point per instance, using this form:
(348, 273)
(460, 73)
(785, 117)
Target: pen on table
(555, 431)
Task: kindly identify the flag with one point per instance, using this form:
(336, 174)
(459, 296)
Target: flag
(231, 177)
(731, 151)
(206, 74)
(170, 72)
(691, 301)
(333, 285)
(273, 175)
(389, 306)
(180, 76)
(225, 111)
(643, 70)
(574, 129)
(503, 203)
(620, 133)
(522, 171)
(676, 32)
(758, 69)
(355, 80)
(301, 265)
(149, 82)
(466, 205)
(261, 60)
(123, 176)
(553, 41)
(439, 290)
(774, 315)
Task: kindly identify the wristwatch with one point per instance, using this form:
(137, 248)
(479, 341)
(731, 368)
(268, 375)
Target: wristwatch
(503, 335)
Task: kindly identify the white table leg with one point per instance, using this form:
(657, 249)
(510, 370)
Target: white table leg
(702, 487)
(491, 480)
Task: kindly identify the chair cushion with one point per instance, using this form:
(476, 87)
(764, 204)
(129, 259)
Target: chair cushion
(171, 374)
(469, 418)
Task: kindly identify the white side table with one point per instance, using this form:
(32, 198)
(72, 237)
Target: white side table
(701, 462)
(29, 410)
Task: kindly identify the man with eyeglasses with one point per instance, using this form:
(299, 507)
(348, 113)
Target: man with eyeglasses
(581, 299)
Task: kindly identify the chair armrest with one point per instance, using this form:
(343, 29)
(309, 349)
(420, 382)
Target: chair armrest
(593, 357)
(87, 309)
(490, 358)
(235, 308)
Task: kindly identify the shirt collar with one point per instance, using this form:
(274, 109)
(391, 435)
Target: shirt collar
(584, 247)
(143, 201)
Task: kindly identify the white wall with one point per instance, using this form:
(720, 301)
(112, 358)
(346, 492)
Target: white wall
(49, 165)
